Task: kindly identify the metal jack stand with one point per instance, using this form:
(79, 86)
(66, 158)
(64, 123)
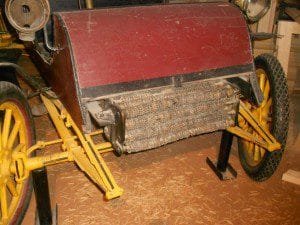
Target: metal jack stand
(222, 168)
(42, 197)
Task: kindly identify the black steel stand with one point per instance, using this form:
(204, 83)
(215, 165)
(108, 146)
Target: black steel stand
(42, 196)
(222, 168)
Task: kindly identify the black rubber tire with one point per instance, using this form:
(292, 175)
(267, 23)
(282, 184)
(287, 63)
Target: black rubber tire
(9, 91)
(280, 119)
(9, 75)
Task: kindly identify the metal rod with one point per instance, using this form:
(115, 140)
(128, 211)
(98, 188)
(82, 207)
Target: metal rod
(47, 42)
(222, 167)
(48, 160)
(62, 130)
(42, 196)
(224, 152)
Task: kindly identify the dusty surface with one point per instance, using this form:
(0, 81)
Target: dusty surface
(173, 185)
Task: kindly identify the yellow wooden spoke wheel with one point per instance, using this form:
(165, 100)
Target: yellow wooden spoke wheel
(16, 135)
(272, 114)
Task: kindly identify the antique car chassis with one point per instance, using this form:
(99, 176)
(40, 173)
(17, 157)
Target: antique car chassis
(81, 149)
(247, 102)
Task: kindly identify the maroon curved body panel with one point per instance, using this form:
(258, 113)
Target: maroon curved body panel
(115, 50)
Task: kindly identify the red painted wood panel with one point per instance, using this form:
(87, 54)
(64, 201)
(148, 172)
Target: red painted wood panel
(136, 43)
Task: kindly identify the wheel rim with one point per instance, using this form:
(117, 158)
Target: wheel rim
(254, 154)
(13, 138)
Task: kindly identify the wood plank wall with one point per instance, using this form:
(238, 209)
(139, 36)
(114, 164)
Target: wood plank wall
(294, 64)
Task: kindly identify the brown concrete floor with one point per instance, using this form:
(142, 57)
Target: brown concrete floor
(174, 185)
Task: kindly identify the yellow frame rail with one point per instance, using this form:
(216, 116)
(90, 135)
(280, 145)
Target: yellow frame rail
(76, 148)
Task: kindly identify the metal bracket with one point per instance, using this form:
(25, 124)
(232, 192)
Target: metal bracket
(76, 147)
(42, 196)
(222, 168)
(250, 90)
(103, 117)
(266, 139)
(256, 89)
(80, 151)
(108, 115)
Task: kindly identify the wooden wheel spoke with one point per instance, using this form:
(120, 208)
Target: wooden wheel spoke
(242, 123)
(266, 107)
(250, 148)
(12, 187)
(262, 152)
(256, 156)
(6, 126)
(19, 147)
(3, 201)
(262, 81)
(266, 91)
(267, 119)
(0, 135)
(246, 144)
(13, 134)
